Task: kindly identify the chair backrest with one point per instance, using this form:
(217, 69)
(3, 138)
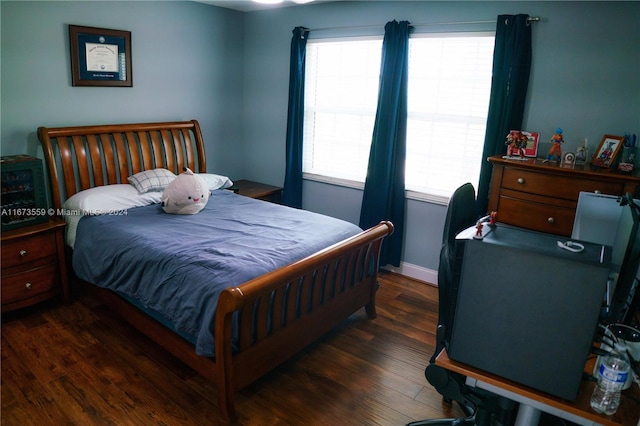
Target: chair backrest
(461, 214)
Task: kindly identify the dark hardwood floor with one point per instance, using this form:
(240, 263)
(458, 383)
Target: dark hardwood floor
(78, 364)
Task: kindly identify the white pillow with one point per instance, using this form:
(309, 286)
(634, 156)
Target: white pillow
(151, 180)
(216, 181)
(109, 198)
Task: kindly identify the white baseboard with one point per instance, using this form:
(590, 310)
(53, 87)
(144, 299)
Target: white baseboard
(416, 272)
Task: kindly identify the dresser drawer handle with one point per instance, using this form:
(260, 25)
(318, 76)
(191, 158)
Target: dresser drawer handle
(520, 181)
(551, 220)
(28, 286)
(23, 253)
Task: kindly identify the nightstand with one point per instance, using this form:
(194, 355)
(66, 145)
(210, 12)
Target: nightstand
(33, 265)
(257, 190)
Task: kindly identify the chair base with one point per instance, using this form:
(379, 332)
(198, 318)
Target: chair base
(444, 422)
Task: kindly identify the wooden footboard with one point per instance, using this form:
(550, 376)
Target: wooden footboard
(282, 312)
(259, 324)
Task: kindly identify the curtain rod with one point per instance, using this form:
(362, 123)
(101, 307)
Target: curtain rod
(529, 19)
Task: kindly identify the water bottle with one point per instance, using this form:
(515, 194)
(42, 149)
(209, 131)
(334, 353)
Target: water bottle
(611, 378)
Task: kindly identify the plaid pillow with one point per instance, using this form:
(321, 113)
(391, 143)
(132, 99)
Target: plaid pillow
(151, 180)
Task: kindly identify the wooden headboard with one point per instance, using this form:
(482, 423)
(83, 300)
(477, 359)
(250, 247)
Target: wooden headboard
(90, 156)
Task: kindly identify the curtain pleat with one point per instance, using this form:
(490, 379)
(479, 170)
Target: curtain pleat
(384, 189)
(511, 67)
(292, 191)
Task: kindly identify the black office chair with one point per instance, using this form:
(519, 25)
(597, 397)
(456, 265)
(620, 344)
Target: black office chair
(479, 406)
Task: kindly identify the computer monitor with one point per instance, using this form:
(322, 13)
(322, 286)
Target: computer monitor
(597, 217)
(602, 219)
(613, 220)
(625, 264)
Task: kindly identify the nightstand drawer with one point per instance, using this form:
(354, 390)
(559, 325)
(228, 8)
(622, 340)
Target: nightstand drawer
(24, 250)
(30, 284)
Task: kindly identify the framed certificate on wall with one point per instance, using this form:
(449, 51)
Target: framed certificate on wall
(100, 57)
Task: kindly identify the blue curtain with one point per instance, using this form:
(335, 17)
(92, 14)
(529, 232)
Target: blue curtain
(384, 188)
(511, 65)
(292, 192)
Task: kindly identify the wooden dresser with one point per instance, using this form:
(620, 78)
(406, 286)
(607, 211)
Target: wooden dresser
(33, 265)
(543, 196)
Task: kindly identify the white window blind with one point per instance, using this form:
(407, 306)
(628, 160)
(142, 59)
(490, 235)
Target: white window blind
(341, 93)
(448, 98)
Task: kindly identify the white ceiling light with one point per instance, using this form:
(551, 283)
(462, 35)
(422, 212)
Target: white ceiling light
(280, 1)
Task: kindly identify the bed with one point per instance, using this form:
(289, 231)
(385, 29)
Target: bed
(266, 309)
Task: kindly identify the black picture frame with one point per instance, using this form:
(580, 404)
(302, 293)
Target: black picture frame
(100, 57)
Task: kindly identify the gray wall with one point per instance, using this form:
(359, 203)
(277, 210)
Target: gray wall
(230, 71)
(187, 64)
(586, 62)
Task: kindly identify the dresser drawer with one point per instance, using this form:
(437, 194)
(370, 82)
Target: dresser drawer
(30, 284)
(25, 250)
(536, 216)
(566, 187)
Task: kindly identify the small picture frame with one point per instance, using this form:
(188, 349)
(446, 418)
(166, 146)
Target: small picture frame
(531, 149)
(605, 155)
(100, 57)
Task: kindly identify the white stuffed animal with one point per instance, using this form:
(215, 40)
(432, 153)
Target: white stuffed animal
(188, 193)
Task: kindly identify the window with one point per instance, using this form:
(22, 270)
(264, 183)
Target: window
(449, 88)
(448, 96)
(341, 94)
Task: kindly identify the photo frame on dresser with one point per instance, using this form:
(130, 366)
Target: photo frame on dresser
(607, 151)
(531, 148)
(100, 57)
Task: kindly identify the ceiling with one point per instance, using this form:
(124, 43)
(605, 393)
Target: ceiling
(250, 5)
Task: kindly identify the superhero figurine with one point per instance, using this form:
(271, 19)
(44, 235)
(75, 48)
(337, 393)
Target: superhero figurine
(556, 145)
(516, 142)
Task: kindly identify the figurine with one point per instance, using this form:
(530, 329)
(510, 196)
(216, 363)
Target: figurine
(493, 218)
(556, 148)
(516, 142)
(581, 154)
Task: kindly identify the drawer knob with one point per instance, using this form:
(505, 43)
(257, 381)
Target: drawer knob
(551, 220)
(28, 286)
(520, 181)
(23, 253)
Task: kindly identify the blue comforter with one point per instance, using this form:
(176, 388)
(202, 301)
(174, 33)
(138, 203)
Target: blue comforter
(177, 265)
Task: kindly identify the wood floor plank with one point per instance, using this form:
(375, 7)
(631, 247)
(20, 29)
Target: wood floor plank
(76, 363)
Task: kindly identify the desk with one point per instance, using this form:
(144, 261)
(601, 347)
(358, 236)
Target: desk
(532, 402)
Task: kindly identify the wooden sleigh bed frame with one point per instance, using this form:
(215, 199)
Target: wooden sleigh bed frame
(83, 157)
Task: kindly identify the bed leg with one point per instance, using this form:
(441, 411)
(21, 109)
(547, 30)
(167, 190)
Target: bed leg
(228, 407)
(370, 308)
